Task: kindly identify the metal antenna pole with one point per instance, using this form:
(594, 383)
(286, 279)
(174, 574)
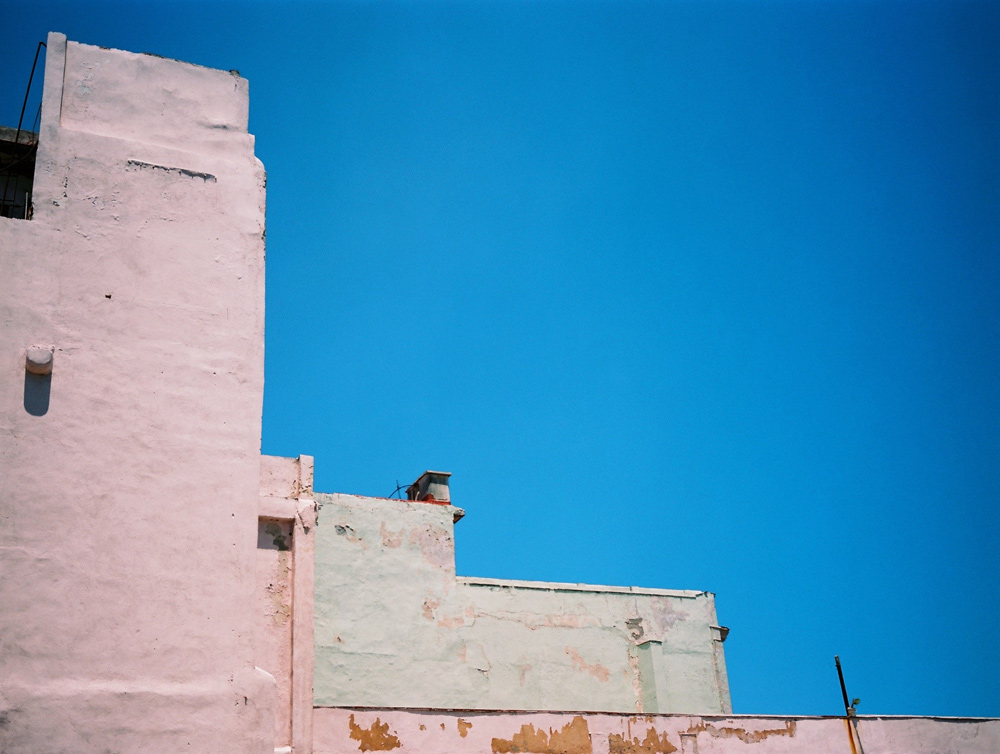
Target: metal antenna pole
(843, 688)
(847, 706)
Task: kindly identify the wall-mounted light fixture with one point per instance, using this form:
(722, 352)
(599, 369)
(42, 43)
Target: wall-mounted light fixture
(39, 361)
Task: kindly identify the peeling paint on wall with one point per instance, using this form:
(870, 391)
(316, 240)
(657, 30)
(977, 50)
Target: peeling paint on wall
(273, 608)
(489, 644)
(463, 727)
(348, 533)
(652, 744)
(391, 539)
(536, 620)
(572, 738)
(744, 735)
(375, 738)
(522, 670)
(597, 670)
(429, 606)
(635, 677)
(137, 165)
(664, 616)
(440, 732)
(435, 545)
(279, 592)
(429, 610)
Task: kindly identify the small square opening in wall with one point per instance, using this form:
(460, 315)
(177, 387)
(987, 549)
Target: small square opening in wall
(17, 171)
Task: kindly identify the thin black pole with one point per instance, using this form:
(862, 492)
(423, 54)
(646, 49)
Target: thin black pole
(28, 90)
(847, 705)
(843, 688)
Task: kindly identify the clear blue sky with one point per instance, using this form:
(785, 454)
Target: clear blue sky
(696, 295)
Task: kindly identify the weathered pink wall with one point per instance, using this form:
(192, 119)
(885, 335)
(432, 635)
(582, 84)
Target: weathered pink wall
(344, 731)
(273, 610)
(283, 634)
(128, 509)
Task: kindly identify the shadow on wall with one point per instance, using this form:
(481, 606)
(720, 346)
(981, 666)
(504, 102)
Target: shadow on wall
(36, 393)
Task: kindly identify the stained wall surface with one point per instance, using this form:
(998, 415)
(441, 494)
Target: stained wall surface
(395, 627)
(340, 731)
(283, 614)
(273, 609)
(129, 476)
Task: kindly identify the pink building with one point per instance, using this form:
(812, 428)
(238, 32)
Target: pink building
(166, 589)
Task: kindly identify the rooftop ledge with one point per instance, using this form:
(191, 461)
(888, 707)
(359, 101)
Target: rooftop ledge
(715, 716)
(7, 134)
(553, 586)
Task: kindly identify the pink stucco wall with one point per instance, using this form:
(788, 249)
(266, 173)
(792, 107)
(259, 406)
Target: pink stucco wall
(128, 513)
(344, 731)
(283, 615)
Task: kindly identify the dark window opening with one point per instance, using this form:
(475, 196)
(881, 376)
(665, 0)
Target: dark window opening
(17, 172)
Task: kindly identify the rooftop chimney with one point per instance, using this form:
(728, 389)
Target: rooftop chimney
(430, 486)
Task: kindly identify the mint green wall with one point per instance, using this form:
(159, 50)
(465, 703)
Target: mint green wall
(395, 627)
